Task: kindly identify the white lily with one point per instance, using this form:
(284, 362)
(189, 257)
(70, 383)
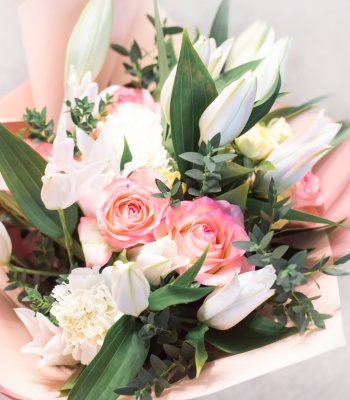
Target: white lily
(65, 179)
(130, 288)
(5, 246)
(226, 306)
(218, 58)
(48, 341)
(89, 42)
(229, 112)
(297, 155)
(252, 44)
(157, 259)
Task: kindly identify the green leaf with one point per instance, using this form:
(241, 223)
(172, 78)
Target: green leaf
(192, 157)
(335, 272)
(254, 207)
(236, 196)
(253, 332)
(171, 295)
(342, 260)
(219, 28)
(186, 278)
(120, 49)
(22, 169)
(192, 93)
(162, 54)
(195, 337)
(115, 365)
(263, 106)
(126, 156)
(233, 74)
(9, 204)
(232, 171)
(69, 384)
(266, 165)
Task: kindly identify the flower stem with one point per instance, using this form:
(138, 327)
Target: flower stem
(67, 236)
(14, 268)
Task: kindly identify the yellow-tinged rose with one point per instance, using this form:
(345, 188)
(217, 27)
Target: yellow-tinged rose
(280, 130)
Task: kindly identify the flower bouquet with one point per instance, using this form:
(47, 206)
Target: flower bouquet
(170, 228)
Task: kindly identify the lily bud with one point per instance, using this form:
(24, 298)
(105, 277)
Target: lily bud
(89, 42)
(130, 288)
(252, 44)
(229, 304)
(5, 246)
(218, 58)
(297, 155)
(229, 112)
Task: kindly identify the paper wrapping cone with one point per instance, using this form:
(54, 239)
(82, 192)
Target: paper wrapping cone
(46, 26)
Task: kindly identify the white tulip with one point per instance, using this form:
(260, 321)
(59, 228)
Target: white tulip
(48, 341)
(226, 306)
(252, 44)
(5, 246)
(230, 111)
(297, 155)
(130, 288)
(157, 259)
(89, 42)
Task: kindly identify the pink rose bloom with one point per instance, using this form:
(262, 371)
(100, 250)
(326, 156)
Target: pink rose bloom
(122, 94)
(306, 192)
(129, 214)
(202, 222)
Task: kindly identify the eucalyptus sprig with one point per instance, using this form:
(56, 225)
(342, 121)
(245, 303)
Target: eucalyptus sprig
(38, 129)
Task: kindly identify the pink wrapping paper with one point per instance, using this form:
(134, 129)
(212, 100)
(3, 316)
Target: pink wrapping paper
(50, 22)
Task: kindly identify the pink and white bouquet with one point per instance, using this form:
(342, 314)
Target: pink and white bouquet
(171, 221)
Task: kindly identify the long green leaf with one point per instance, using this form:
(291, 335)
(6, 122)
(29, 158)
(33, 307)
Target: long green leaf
(219, 28)
(186, 278)
(254, 207)
(170, 295)
(236, 196)
(22, 169)
(116, 364)
(192, 93)
(230, 172)
(253, 332)
(195, 338)
(233, 74)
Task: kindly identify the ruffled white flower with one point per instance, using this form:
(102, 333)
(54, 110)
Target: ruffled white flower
(47, 340)
(142, 129)
(85, 310)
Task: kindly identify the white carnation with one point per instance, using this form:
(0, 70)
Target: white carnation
(85, 309)
(143, 132)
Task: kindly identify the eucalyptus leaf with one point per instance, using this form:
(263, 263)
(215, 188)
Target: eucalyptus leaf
(115, 365)
(192, 93)
(230, 172)
(22, 169)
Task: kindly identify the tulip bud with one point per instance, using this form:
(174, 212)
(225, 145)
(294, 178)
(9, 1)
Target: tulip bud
(252, 44)
(157, 259)
(130, 288)
(226, 306)
(230, 111)
(5, 246)
(89, 42)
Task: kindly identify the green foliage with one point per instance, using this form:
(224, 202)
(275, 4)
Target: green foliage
(39, 129)
(174, 194)
(192, 93)
(39, 303)
(81, 114)
(22, 169)
(126, 156)
(117, 363)
(219, 28)
(206, 166)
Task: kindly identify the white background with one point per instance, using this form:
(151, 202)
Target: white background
(319, 64)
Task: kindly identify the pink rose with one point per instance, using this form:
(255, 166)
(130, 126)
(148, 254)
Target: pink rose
(202, 222)
(129, 214)
(306, 192)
